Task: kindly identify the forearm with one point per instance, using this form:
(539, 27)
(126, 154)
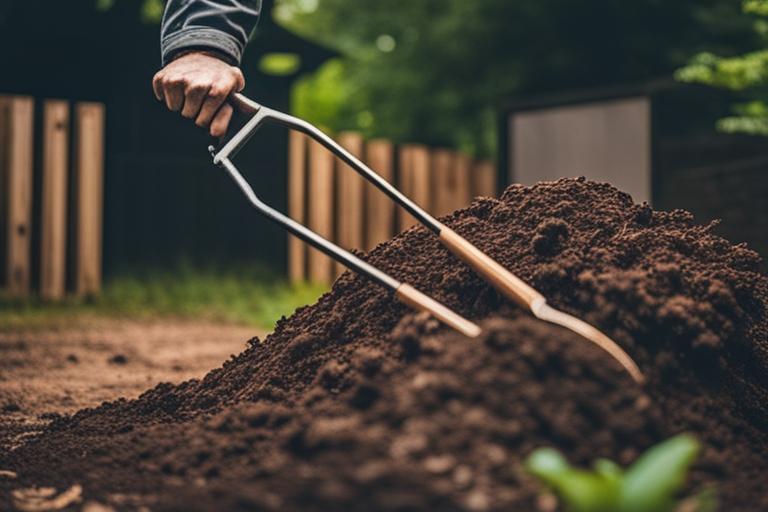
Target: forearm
(221, 26)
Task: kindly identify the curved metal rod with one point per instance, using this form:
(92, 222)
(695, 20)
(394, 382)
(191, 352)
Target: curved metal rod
(262, 113)
(510, 285)
(404, 292)
(309, 236)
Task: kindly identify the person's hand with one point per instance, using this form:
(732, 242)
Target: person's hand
(197, 85)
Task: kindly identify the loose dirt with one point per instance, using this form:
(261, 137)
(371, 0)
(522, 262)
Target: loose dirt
(355, 403)
(51, 370)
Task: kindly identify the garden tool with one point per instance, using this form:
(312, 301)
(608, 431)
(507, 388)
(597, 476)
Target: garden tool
(403, 291)
(505, 281)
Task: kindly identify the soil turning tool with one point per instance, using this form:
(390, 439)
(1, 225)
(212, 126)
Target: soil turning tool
(403, 291)
(505, 281)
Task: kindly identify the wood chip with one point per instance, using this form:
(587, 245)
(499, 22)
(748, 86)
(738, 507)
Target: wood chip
(42, 499)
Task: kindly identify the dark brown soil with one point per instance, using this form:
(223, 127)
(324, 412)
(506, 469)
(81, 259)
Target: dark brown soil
(354, 403)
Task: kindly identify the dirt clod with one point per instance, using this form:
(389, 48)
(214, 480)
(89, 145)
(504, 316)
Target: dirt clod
(356, 403)
(11, 407)
(119, 359)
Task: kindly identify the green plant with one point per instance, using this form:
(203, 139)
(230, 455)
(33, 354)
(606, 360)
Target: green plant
(650, 484)
(747, 72)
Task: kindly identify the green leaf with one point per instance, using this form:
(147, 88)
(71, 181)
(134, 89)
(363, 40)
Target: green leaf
(651, 483)
(581, 491)
(104, 5)
(280, 64)
(152, 11)
(759, 7)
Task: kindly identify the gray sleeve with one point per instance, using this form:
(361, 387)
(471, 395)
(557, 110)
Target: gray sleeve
(222, 26)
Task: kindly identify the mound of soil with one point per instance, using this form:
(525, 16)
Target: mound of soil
(355, 403)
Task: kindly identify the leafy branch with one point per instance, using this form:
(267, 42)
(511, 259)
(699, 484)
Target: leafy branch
(745, 72)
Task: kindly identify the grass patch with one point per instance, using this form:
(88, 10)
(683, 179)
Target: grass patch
(243, 294)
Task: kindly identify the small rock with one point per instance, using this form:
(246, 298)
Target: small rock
(439, 464)
(462, 476)
(644, 214)
(118, 359)
(45, 498)
(72, 358)
(478, 501)
(551, 237)
(546, 503)
(11, 407)
(4, 473)
(364, 396)
(95, 506)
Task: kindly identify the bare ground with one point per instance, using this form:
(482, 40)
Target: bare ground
(58, 371)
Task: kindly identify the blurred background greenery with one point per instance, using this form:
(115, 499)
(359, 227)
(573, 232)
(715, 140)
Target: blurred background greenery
(436, 71)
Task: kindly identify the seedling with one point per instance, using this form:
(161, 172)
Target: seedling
(650, 484)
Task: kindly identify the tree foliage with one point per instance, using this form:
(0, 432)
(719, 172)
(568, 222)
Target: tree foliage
(436, 71)
(747, 72)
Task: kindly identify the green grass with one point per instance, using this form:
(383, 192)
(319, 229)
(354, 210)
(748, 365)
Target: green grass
(243, 294)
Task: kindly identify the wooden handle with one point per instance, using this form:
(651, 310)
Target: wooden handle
(509, 284)
(409, 295)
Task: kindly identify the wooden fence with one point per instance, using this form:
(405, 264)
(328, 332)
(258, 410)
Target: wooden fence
(61, 214)
(337, 203)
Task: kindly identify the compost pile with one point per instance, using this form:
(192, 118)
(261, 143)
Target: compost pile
(356, 403)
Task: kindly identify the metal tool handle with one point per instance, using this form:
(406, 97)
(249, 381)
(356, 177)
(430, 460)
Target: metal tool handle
(404, 292)
(259, 114)
(505, 281)
(509, 284)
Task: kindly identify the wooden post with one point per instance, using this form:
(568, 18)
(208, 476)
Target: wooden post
(297, 192)
(379, 209)
(463, 181)
(20, 157)
(442, 172)
(320, 193)
(484, 179)
(414, 179)
(4, 121)
(89, 151)
(455, 186)
(349, 199)
(54, 208)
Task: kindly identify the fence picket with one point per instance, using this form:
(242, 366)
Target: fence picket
(349, 199)
(54, 209)
(4, 121)
(19, 200)
(414, 179)
(321, 197)
(380, 210)
(89, 151)
(484, 179)
(463, 181)
(297, 184)
(442, 163)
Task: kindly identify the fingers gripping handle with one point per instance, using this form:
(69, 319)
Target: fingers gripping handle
(246, 118)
